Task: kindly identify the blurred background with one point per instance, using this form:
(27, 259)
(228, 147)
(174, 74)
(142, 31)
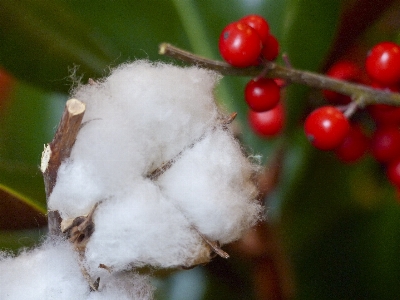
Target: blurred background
(332, 229)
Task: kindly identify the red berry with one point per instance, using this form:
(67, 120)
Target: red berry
(262, 94)
(387, 88)
(326, 127)
(343, 70)
(393, 172)
(383, 63)
(268, 123)
(354, 145)
(258, 23)
(239, 45)
(270, 48)
(6, 83)
(385, 144)
(384, 114)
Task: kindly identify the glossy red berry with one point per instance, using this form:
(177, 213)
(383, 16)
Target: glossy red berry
(258, 23)
(268, 123)
(354, 145)
(262, 94)
(385, 144)
(270, 48)
(343, 70)
(240, 45)
(393, 171)
(326, 127)
(383, 63)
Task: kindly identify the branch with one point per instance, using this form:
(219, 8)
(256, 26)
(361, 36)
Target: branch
(272, 70)
(60, 149)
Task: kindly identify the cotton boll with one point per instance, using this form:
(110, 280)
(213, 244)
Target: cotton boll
(140, 117)
(142, 228)
(49, 272)
(211, 185)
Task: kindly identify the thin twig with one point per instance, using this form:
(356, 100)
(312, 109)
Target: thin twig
(351, 109)
(214, 245)
(93, 284)
(274, 70)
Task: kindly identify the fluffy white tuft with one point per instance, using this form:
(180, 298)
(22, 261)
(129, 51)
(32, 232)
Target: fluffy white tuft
(142, 228)
(52, 271)
(210, 185)
(49, 272)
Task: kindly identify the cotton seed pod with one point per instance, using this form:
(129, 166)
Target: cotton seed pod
(157, 170)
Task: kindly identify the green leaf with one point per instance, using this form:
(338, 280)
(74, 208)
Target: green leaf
(22, 198)
(14, 240)
(43, 40)
(27, 122)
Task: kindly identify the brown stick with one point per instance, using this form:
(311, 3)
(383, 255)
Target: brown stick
(58, 150)
(272, 70)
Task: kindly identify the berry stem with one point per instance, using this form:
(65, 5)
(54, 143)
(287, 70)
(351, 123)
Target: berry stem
(351, 109)
(286, 61)
(273, 70)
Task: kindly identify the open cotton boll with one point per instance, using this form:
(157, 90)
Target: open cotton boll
(48, 272)
(211, 185)
(140, 118)
(142, 228)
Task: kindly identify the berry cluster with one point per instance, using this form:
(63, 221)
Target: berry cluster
(328, 128)
(248, 42)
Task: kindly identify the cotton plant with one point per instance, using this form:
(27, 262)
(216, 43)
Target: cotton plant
(154, 179)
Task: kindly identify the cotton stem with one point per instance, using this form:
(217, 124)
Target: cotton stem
(60, 149)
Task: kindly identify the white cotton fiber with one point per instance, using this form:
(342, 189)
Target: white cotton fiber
(211, 186)
(87, 188)
(52, 271)
(49, 272)
(123, 286)
(142, 228)
(140, 117)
